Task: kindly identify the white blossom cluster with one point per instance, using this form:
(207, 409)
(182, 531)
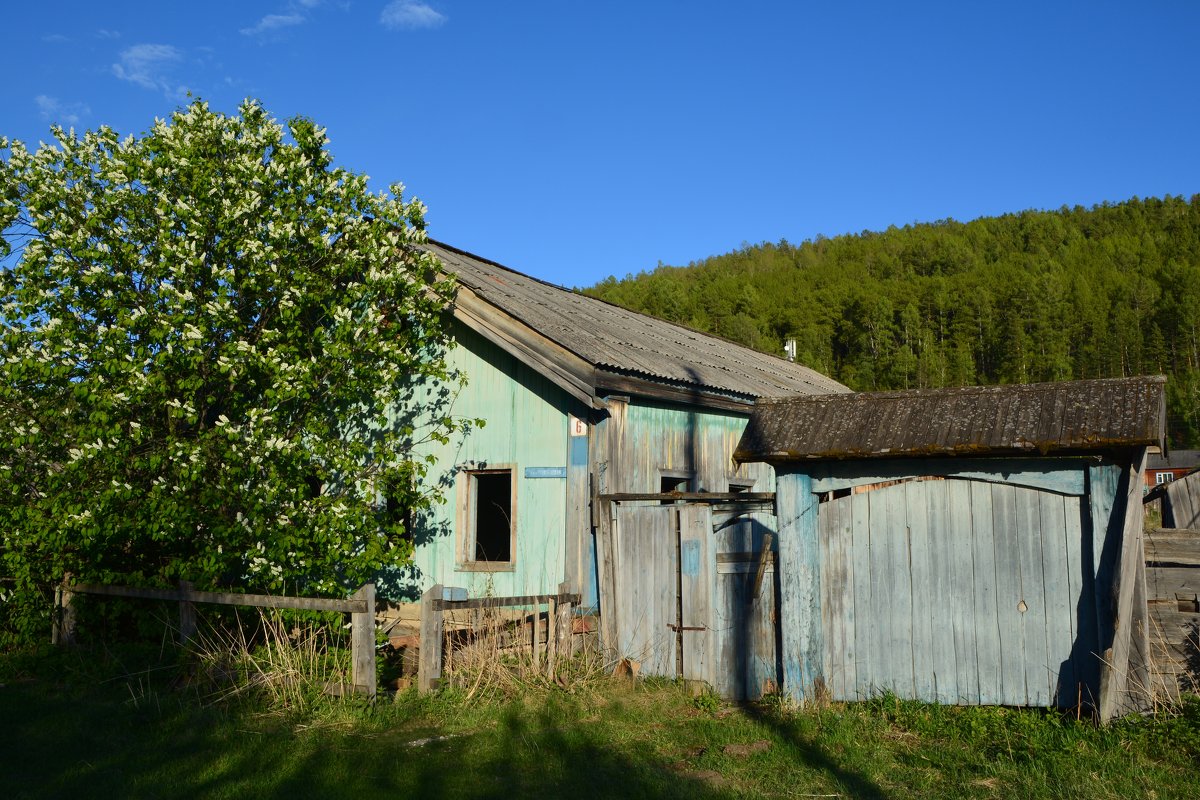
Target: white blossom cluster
(202, 331)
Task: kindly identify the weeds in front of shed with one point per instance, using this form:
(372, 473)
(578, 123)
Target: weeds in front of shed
(494, 653)
(284, 662)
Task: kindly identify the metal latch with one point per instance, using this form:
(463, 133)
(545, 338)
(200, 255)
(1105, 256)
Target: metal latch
(678, 628)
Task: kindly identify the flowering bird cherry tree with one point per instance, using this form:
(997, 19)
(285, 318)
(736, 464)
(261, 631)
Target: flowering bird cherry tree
(213, 347)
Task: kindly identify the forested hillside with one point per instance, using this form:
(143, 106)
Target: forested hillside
(1112, 290)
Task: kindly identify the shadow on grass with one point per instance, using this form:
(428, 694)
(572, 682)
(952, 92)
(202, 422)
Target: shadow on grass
(114, 740)
(814, 755)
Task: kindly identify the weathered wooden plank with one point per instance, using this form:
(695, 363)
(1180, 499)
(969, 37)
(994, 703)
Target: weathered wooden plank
(897, 614)
(762, 675)
(987, 623)
(1182, 504)
(638, 532)
(835, 580)
(1040, 675)
(1008, 597)
(849, 661)
(665, 574)
(942, 601)
(1166, 582)
(1083, 674)
(429, 668)
(959, 548)
(1055, 475)
(921, 572)
(860, 610)
(697, 569)
(610, 630)
(799, 573)
(1103, 481)
(765, 557)
(565, 618)
(362, 642)
(223, 598)
(1173, 549)
(1127, 687)
(1059, 603)
(507, 602)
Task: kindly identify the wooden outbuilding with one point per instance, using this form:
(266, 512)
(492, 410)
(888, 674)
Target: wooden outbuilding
(580, 398)
(1180, 501)
(978, 545)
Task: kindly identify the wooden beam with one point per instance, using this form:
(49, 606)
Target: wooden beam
(223, 598)
(733, 498)
(505, 602)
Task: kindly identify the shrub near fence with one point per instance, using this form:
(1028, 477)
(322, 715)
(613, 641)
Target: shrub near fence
(360, 606)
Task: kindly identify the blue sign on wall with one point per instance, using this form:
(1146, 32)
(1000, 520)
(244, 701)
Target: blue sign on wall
(545, 472)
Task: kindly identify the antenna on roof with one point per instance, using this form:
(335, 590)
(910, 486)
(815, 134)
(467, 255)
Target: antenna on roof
(789, 349)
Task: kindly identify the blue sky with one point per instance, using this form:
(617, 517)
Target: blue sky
(575, 140)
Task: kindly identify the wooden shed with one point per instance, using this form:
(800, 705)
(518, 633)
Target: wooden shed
(1180, 499)
(580, 397)
(977, 545)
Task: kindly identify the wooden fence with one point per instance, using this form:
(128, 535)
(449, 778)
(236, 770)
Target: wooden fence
(439, 599)
(1173, 584)
(360, 606)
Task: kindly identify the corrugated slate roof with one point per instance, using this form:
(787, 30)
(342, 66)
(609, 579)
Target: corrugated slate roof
(626, 342)
(1040, 418)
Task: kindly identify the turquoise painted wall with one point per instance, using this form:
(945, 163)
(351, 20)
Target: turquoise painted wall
(527, 426)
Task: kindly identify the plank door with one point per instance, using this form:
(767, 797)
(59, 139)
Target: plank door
(645, 586)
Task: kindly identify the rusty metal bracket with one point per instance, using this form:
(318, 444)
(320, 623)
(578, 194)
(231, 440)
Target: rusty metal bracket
(679, 628)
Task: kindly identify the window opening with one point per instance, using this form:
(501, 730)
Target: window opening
(672, 483)
(491, 517)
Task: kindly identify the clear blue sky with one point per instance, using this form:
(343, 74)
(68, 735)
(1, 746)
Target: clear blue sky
(575, 140)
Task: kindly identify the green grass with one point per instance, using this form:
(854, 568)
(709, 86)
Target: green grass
(85, 724)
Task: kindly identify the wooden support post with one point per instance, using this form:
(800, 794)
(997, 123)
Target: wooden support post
(187, 614)
(562, 625)
(362, 642)
(536, 641)
(551, 636)
(799, 570)
(429, 671)
(63, 631)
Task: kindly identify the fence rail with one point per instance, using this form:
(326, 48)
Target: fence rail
(438, 599)
(360, 606)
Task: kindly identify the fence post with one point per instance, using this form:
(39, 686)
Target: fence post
(536, 642)
(566, 618)
(429, 671)
(63, 631)
(187, 614)
(362, 642)
(551, 636)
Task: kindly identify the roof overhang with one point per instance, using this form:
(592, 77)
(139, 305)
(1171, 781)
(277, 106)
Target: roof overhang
(573, 374)
(1065, 418)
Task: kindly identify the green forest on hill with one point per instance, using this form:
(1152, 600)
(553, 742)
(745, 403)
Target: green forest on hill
(1107, 291)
